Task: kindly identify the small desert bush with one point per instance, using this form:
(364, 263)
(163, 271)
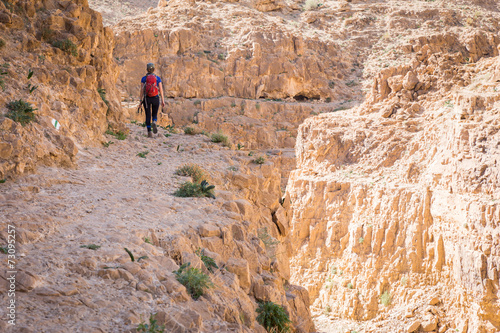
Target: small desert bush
(152, 327)
(195, 281)
(21, 112)
(91, 246)
(67, 46)
(48, 34)
(119, 135)
(189, 189)
(269, 241)
(219, 137)
(191, 130)
(143, 154)
(273, 317)
(2, 43)
(385, 298)
(102, 93)
(259, 160)
(209, 262)
(192, 170)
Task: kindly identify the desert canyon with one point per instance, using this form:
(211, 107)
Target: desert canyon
(354, 147)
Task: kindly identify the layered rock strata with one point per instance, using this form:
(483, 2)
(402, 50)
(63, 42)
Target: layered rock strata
(68, 52)
(394, 204)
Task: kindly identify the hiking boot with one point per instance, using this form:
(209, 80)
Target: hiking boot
(150, 135)
(155, 129)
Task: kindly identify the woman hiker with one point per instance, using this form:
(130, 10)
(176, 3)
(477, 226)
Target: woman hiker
(150, 86)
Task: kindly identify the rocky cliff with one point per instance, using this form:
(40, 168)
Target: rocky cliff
(390, 222)
(394, 204)
(57, 56)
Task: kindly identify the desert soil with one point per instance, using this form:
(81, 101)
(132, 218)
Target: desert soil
(114, 198)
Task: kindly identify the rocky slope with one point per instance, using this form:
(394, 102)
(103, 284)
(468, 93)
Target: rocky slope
(393, 207)
(394, 204)
(63, 85)
(64, 287)
(113, 11)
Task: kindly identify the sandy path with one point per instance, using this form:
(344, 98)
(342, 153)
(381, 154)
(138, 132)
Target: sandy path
(112, 199)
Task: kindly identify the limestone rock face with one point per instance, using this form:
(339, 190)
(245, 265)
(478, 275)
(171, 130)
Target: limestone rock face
(63, 85)
(387, 207)
(205, 57)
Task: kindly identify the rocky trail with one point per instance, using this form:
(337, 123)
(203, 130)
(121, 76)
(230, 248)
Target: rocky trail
(114, 199)
(374, 204)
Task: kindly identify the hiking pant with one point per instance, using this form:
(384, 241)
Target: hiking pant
(151, 104)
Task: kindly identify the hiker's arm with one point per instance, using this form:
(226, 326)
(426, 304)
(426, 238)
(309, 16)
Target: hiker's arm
(142, 93)
(161, 93)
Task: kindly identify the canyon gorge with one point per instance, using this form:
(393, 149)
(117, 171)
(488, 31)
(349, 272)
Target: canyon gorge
(356, 184)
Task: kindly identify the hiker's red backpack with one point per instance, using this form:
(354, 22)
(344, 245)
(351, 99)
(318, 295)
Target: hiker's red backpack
(151, 87)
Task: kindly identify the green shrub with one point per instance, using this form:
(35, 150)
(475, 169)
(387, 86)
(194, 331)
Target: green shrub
(195, 281)
(350, 285)
(67, 46)
(269, 241)
(385, 298)
(21, 112)
(2, 43)
(2, 79)
(47, 34)
(152, 327)
(197, 102)
(219, 137)
(131, 255)
(189, 189)
(106, 144)
(209, 262)
(143, 154)
(190, 130)
(119, 135)
(169, 128)
(91, 246)
(102, 93)
(259, 160)
(273, 317)
(192, 170)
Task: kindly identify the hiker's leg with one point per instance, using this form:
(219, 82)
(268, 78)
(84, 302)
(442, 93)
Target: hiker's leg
(155, 103)
(147, 111)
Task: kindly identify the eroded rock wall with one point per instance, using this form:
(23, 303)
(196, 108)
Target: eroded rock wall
(63, 86)
(202, 53)
(394, 205)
